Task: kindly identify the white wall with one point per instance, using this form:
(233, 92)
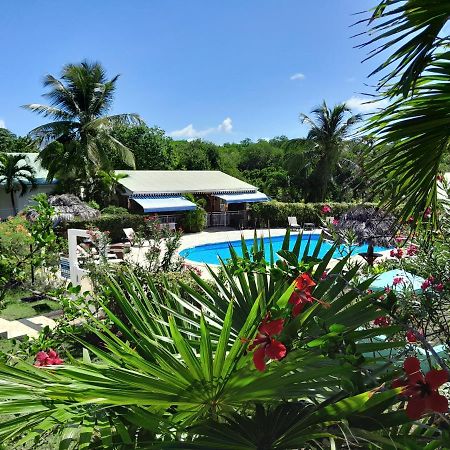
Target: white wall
(21, 202)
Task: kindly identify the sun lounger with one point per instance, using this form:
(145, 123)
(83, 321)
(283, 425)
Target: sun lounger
(130, 234)
(292, 221)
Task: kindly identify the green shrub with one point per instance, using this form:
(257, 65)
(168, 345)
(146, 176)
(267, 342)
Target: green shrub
(276, 213)
(114, 223)
(93, 204)
(116, 210)
(194, 221)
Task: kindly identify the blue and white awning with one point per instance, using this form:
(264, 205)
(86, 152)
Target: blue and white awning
(165, 204)
(244, 197)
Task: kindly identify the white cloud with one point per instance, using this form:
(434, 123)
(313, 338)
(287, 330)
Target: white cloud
(298, 76)
(2, 124)
(189, 132)
(365, 105)
(226, 126)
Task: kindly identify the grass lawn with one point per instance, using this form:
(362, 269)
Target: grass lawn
(15, 308)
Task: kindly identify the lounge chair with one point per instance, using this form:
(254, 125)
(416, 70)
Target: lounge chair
(130, 234)
(292, 221)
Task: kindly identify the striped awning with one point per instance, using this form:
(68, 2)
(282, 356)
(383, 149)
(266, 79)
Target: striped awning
(165, 204)
(244, 197)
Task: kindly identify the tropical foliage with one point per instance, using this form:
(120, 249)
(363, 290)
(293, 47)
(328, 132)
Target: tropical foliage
(410, 138)
(16, 175)
(328, 130)
(176, 373)
(79, 140)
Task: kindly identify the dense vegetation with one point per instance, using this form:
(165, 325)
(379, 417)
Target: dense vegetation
(281, 167)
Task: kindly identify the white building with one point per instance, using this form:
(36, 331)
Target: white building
(42, 186)
(226, 198)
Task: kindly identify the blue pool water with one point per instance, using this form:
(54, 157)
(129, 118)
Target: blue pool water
(208, 253)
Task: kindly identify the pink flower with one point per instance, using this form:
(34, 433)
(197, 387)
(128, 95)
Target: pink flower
(397, 280)
(425, 285)
(439, 287)
(326, 209)
(397, 253)
(427, 213)
(49, 358)
(412, 250)
(387, 289)
(399, 239)
(335, 222)
(324, 275)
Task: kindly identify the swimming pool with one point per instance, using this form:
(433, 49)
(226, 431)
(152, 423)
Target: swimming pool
(208, 253)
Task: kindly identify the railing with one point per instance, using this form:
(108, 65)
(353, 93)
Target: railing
(236, 219)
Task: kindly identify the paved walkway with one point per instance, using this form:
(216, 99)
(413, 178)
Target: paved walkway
(18, 329)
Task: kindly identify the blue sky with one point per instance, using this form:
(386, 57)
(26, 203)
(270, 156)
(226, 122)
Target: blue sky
(222, 71)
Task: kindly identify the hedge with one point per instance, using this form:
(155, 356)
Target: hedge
(276, 213)
(114, 223)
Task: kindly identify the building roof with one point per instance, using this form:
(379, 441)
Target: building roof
(181, 181)
(32, 159)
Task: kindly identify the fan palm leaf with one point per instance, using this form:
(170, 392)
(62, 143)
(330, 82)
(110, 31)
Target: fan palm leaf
(411, 139)
(412, 29)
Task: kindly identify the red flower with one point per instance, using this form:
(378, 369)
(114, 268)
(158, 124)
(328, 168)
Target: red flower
(382, 321)
(439, 287)
(335, 222)
(267, 346)
(422, 390)
(50, 358)
(397, 280)
(324, 275)
(397, 253)
(302, 293)
(425, 285)
(326, 209)
(410, 336)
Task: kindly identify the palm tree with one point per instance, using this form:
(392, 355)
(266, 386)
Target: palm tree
(411, 136)
(16, 176)
(79, 102)
(328, 130)
(110, 180)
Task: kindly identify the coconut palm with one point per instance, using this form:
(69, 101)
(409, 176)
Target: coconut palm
(16, 175)
(328, 130)
(79, 103)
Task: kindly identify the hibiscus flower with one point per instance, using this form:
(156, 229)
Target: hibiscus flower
(302, 293)
(326, 209)
(266, 346)
(422, 390)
